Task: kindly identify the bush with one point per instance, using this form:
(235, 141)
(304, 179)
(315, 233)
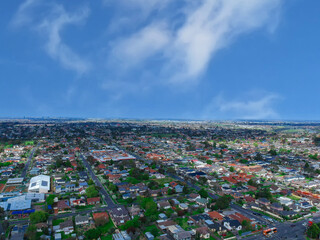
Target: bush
(92, 233)
(38, 217)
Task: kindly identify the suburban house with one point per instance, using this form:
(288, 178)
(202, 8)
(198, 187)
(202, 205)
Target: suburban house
(66, 227)
(119, 215)
(81, 220)
(203, 232)
(100, 215)
(93, 201)
(61, 206)
(232, 224)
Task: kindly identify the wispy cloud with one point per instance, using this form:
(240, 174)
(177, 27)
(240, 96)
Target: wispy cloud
(194, 38)
(246, 107)
(144, 7)
(142, 45)
(23, 14)
(51, 26)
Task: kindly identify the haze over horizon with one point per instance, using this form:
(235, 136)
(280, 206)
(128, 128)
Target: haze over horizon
(160, 59)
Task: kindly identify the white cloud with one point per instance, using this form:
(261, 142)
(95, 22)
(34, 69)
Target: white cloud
(212, 26)
(140, 46)
(55, 47)
(22, 16)
(145, 7)
(51, 27)
(206, 27)
(249, 108)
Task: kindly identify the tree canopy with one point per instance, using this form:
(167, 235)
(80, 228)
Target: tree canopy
(203, 193)
(313, 231)
(39, 216)
(223, 202)
(93, 233)
(50, 199)
(91, 191)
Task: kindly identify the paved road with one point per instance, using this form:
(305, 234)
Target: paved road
(102, 190)
(24, 171)
(288, 230)
(249, 213)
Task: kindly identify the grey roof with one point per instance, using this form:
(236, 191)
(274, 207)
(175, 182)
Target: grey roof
(183, 235)
(80, 218)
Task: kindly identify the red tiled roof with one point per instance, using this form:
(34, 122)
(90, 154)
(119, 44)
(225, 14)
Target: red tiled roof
(92, 200)
(100, 215)
(215, 215)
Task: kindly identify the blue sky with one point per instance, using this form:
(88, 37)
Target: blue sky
(168, 59)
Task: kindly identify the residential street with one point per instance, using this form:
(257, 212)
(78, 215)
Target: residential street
(24, 171)
(97, 182)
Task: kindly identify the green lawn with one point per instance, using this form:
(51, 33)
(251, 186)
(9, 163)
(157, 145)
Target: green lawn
(163, 180)
(29, 143)
(85, 207)
(153, 230)
(64, 236)
(56, 222)
(183, 222)
(109, 237)
(294, 198)
(105, 229)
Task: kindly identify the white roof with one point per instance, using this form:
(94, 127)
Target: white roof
(14, 180)
(20, 205)
(40, 182)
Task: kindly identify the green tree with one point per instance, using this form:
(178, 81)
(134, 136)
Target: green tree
(222, 145)
(93, 233)
(112, 187)
(91, 191)
(135, 222)
(251, 182)
(203, 193)
(264, 193)
(153, 185)
(258, 157)
(273, 152)
(2, 212)
(203, 180)
(243, 161)
(246, 225)
(314, 157)
(223, 202)
(50, 199)
(151, 208)
(31, 233)
(90, 182)
(313, 231)
(231, 169)
(186, 190)
(149, 205)
(39, 216)
(209, 162)
(307, 166)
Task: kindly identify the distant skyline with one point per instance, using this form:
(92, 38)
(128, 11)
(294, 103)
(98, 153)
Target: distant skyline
(160, 59)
